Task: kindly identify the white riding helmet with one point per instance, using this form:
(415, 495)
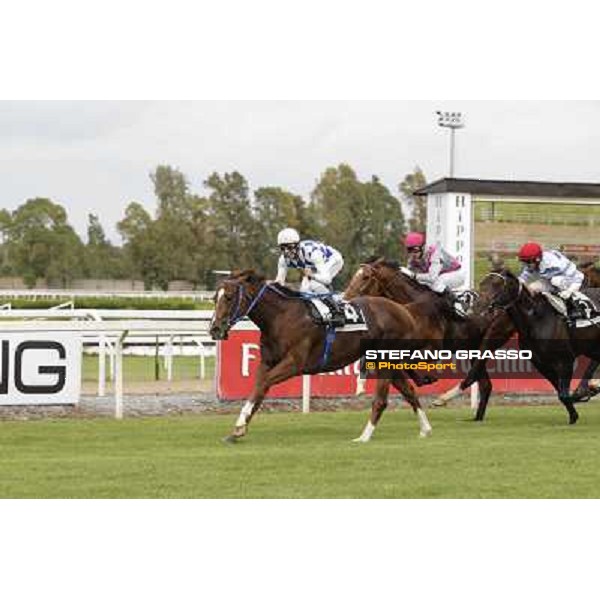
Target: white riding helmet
(288, 236)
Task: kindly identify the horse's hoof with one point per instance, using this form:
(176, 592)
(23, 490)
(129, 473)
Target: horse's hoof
(573, 420)
(360, 440)
(425, 433)
(230, 439)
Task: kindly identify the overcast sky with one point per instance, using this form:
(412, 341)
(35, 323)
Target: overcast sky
(97, 156)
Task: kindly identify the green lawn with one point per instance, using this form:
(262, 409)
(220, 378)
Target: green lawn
(566, 213)
(519, 452)
(141, 368)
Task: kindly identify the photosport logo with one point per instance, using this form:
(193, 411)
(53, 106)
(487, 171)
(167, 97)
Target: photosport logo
(387, 358)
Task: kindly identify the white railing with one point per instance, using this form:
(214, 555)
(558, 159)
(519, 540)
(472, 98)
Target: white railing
(108, 329)
(51, 294)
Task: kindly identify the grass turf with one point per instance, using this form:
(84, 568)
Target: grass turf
(520, 452)
(142, 368)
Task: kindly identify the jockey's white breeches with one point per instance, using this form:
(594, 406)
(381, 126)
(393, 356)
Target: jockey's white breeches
(331, 269)
(571, 283)
(448, 281)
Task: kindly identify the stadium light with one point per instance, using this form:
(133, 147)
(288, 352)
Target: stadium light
(453, 121)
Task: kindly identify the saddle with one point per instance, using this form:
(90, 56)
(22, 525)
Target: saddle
(332, 311)
(578, 311)
(460, 303)
(464, 302)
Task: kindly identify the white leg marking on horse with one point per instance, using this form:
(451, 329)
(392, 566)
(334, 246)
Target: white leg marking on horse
(424, 423)
(361, 385)
(447, 396)
(244, 414)
(365, 436)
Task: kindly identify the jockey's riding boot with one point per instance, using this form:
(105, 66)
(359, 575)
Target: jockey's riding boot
(572, 313)
(337, 318)
(454, 303)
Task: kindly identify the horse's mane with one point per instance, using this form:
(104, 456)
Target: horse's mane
(249, 275)
(286, 291)
(589, 264)
(382, 260)
(539, 300)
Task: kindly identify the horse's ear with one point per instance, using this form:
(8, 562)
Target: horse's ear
(372, 259)
(254, 278)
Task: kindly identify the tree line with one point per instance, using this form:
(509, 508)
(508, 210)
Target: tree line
(227, 227)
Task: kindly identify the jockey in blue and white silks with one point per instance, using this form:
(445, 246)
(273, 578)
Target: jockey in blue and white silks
(318, 262)
(558, 274)
(551, 266)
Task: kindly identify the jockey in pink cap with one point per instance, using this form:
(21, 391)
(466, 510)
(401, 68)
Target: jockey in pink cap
(434, 267)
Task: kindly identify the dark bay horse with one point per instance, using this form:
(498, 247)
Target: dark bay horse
(436, 318)
(591, 273)
(554, 344)
(291, 343)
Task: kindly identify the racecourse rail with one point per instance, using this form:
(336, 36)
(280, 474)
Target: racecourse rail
(53, 294)
(109, 328)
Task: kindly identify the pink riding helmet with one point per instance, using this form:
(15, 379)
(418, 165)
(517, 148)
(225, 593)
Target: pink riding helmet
(413, 239)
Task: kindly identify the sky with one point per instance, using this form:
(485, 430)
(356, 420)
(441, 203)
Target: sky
(96, 156)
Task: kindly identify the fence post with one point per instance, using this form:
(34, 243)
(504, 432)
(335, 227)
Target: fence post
(475, 396)
(169, 358)
(305, 393)
(119, 375)
(102, 366)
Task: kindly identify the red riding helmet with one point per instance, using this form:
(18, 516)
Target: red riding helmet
(414, 239)
(530, 251)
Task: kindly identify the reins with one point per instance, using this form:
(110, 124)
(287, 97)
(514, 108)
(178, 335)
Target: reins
(495, 305)
(234, 317)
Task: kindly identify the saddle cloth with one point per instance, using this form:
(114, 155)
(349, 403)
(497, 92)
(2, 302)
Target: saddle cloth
(584, 303)
(353, 315)
(464, 301)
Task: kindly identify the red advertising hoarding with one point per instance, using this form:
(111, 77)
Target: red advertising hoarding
(239, 356)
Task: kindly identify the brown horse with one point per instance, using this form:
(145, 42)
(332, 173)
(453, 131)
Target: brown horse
(591, 273)
(436, 319)
(292, 343)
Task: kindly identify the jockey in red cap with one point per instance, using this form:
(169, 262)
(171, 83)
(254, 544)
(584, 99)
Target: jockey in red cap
(551, 266)
(433, 265)
(557, 272)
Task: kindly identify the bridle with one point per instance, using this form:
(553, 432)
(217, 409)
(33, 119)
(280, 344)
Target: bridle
(385, 283)
(235, 314)
(494, 304)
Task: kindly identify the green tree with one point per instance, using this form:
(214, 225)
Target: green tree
(42, 244)
(360, 219)
(172, 190)
(5, 225)
(275, 208)
(417, 204)
(144, 247)
(102, 259)
(182, 223)
(232, 228)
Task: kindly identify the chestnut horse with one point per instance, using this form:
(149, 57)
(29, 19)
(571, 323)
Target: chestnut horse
(382, 277)
(554, 344)
(292, 344)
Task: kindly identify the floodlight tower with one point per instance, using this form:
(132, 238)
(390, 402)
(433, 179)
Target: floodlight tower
(454, 121)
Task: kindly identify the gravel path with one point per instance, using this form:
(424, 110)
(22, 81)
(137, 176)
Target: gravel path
(150, 401)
